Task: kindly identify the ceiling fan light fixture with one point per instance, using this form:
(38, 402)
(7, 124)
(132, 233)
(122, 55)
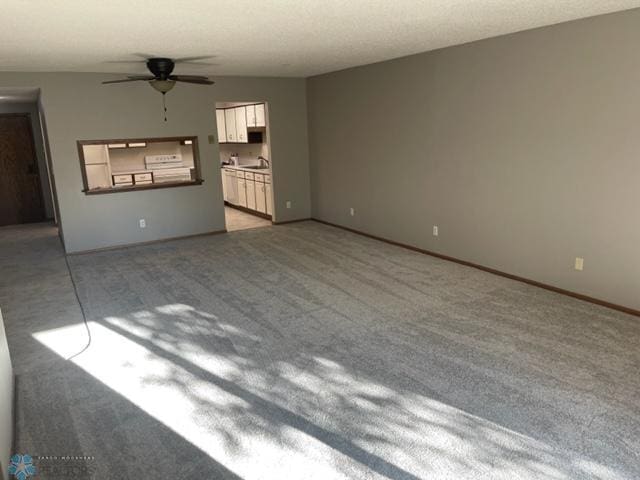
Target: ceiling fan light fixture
(163, 86)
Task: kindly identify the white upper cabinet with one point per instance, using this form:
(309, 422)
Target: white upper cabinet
(261, 120)
(230, 124)
(251, 115)
(241, 124)
(222, 128)
(233, 122)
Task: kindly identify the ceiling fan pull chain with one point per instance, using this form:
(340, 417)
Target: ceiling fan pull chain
(164, 105)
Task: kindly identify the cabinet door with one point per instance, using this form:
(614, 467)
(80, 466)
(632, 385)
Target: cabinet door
(261, 199)
(242, 192)
(261, 119)
(98, 176)
(251, 115)
(267, 194)
(222, 128)
(251, 194)
(230, 124)
(232, 187)
(241, 124)
(225, 189)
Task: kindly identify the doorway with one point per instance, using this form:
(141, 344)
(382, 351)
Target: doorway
(245, 162)
(21, 199)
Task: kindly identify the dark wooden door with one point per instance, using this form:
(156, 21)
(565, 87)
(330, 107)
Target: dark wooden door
(20, 187)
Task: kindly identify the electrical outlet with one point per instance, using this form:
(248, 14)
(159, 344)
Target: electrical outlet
(435, 230)
(288, 203)
(143, 223)
(352, 211)
(579, 264)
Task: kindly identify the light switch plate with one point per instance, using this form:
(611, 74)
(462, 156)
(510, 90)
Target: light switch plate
(579, 264)
(212, 139)
(143, 223)
(435, 230)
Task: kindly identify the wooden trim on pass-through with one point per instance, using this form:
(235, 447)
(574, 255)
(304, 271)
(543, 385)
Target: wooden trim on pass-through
(196, 164)
(579, 296)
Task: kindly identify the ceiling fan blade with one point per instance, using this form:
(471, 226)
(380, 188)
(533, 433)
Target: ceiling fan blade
(192, 59)
(130, 79)
(192, 79)
(201, 64)
(144, 56)
(189, 77)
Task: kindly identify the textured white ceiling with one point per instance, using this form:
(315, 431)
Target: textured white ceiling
(295, 38)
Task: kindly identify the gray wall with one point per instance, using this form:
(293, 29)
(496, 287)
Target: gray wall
(32, 110)
(6, 403)
(523, 149)
(78, 107)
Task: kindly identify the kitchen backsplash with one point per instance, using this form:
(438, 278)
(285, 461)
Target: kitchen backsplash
(127, 159)
(248, 154)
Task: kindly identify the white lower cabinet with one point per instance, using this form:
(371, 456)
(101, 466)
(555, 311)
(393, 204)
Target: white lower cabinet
(230, 186)
(251, 194)
(261, 199)
(247, 189)
(267, 194)
(242, 192)
(225, 188)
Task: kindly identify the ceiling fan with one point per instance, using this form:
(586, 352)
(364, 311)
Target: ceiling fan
(162, 79)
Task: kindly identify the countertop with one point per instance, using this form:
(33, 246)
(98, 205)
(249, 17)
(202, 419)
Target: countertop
(133, 172)
(264, 171)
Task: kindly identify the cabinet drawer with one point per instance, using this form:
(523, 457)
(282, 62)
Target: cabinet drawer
(142, 177)
(267, 179)
(240, 174)
(258, 177)
(122, 179)
(249, 175)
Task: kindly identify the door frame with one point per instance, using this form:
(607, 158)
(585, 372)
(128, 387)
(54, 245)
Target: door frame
(27, 115)
(267, 135)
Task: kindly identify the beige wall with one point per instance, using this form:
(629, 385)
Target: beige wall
(6, 403)
(523, 149)
(77, 106)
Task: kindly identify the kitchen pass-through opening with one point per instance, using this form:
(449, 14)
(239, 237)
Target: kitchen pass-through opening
(245, 162)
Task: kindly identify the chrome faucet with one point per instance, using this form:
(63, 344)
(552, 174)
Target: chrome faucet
(264, 163)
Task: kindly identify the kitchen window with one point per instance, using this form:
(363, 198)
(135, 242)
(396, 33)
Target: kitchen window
(110, 166)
